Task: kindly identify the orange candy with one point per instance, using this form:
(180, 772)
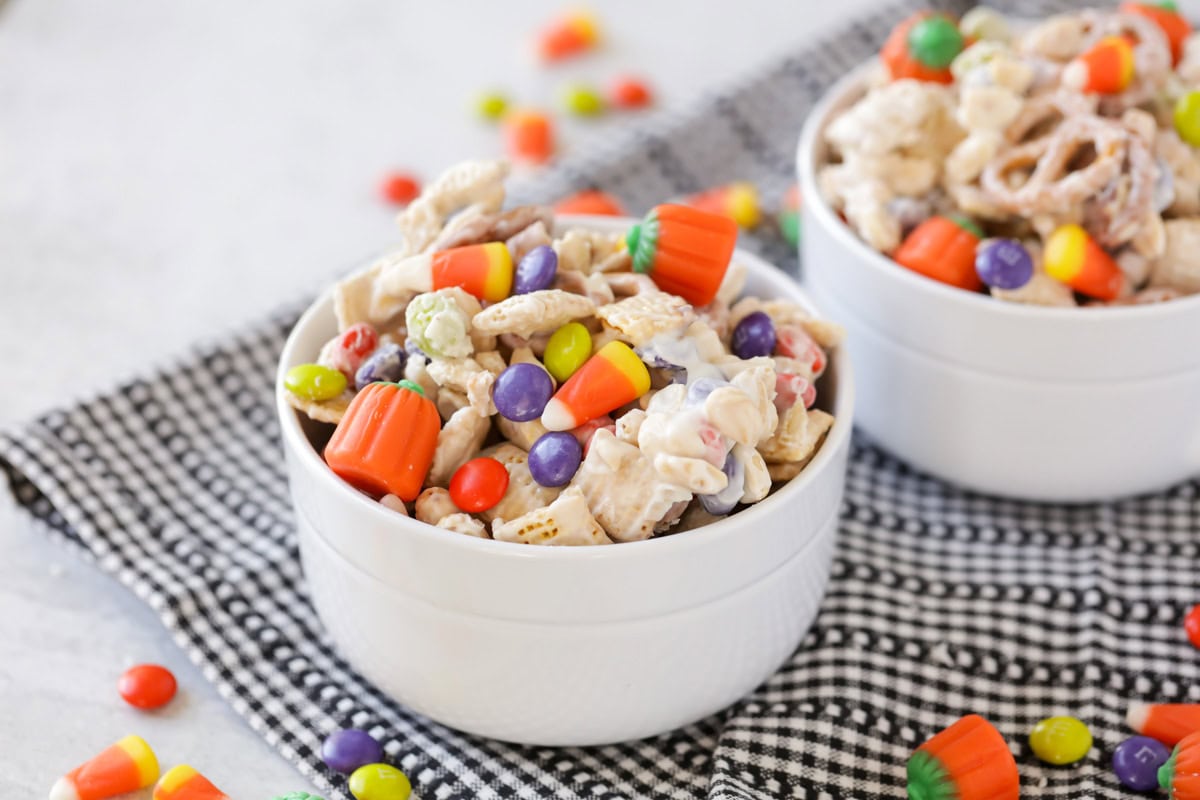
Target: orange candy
(899, 61)
(185, 783)
(967, 761)
(591, 201)
(1180, 776)
(1174, 25)
(568, 36)
(125, 767)
(386, 440)
(1106, 68)
(400, 188)
(943, 249)
(1072, 257)
(530, 136)
(1167, 722)
(685, 251)
(482, 270)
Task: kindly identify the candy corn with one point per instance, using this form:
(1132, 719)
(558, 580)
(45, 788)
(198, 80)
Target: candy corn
(789, 216)
(1167, 722)
(184, 783)
(530, 136)
(1180, 776)
(932, 34)
(738, 201)
(590, 201)
(126, 766)
(608, 380)
(1174, 25)
(685, 251)
(386, 440)
(484, 270)
(943, 248)
(1107, 68)
(1071, 257)
(967, 761)
(567, 36)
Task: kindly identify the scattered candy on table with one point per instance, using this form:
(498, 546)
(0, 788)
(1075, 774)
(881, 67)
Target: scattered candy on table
(521, 391)
(536, 270)
(569, 35)
(608, 380)
(1136, 761)
(789, 216)
(685, 251)
(185, 783)
(753, 336)
(591, 201)
(314, 382)
(491, 106)
(1107, 68)
(943, 248)
(124, 767)
(1003, 264)
(1180, 775)
(1060, 740)
(738, 201)
(1073, 258)
(479, 484)
(567, 350)
(147, 686)
(933, 40)
(386, 440)
(554, 458)
(1191, 625)
(629, 92)
(530, 136)
(350, 748)
(482, 270)
(967, 761)
(1166, 722)
(379, 782)
(582, 100)
(400, 188)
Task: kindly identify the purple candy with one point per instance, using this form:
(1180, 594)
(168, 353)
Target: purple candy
(522, 391)
(1004, 264)
(347, 750)
(1136, 761)
(753, 336)
(385, 364)
(536, 270)
(723, 501)
(554, 458)
(699, 390)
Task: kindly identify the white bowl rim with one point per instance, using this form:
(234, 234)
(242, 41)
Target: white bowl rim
(835, 439)
(814, 202)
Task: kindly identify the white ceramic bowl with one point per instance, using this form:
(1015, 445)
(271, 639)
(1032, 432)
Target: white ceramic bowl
(1048, 404)
(567, 646)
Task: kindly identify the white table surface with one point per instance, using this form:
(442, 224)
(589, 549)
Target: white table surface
(169, 170)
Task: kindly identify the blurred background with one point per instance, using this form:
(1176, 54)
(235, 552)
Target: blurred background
(172, 171)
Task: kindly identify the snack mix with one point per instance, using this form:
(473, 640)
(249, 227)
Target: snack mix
(1053, 164)
(501, 378)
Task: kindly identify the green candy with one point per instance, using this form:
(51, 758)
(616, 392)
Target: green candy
(582, 101)
(1187, 118)
(297, 796)
(935, 41)
(1167, 5)
(568, 348)
(928, 779)
(1166, 773)
(314, 382)
(642, 243)
(379, 782)
(412, 387)
(789, 226)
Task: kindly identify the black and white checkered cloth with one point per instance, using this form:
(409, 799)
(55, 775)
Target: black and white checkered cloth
(940, 603)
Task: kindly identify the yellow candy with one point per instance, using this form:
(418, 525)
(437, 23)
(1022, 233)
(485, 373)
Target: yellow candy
(314, 382)
(1060, 740)
(1187, 118)
(379, 782)
(582, 101)
(491, 105)
(568, 348)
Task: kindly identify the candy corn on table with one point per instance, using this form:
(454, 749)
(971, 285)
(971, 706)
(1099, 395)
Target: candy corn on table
(162, 196)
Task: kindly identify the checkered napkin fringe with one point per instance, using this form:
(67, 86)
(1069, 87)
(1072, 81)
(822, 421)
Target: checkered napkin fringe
(940, 602)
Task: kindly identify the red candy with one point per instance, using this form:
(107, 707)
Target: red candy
(355, 344)
(479, 484)
(400, 188)
(628, 92)
(584, 433)
(590, 201)
(789, 388)
(792, 341)
(1191, 624)
(147, 686)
